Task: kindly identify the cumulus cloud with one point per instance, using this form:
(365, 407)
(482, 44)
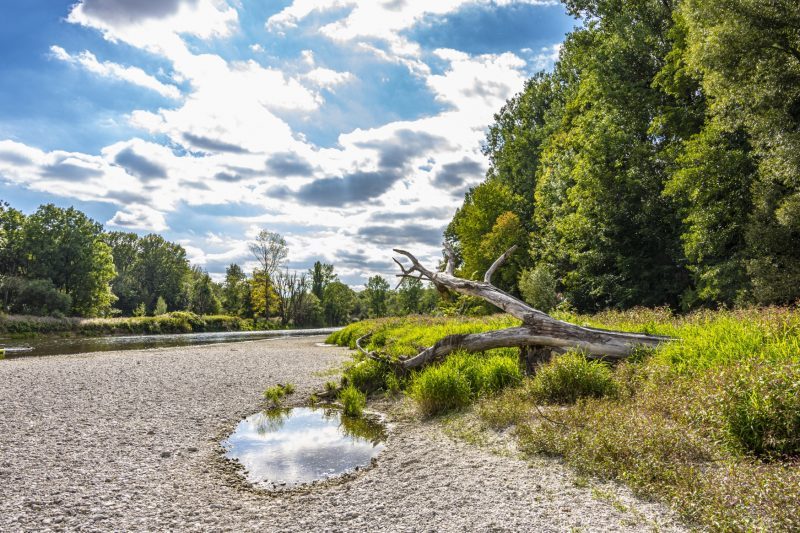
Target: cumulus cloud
(139, 217)
(107, 69)
(288, 164)
(403, 234)
(139, 165)
(453, 175)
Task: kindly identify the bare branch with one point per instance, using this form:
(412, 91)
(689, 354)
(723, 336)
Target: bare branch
(487, 278)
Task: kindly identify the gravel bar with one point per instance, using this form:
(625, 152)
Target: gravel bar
(129, 440)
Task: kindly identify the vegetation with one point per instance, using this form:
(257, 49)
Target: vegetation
(175, 322)
(657, 164)
(353, 401)
(570, 377)
(276, 393)
(709, 423)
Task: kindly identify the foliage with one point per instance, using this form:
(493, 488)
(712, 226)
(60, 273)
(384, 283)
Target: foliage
(538, 287)
(33, 297)
(353, 401)
(656, 165)
(270, 250)
(175, 322)
(338, 302)
(160, 308)
(235, 291)
(66, 247)
(377, 294)
(571, 376)
(321, 275)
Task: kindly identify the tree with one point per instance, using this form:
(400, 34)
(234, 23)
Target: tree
(11, 227)
(126, 287)
(67, 248)
(270, 250)
(338, 303)
(258, 300)
(409, 295)
(160, 308)
(204, 301)
(377, 294)
(747, 53)
(291, 290)
(321, 275)
(162, 269)
(234, 290)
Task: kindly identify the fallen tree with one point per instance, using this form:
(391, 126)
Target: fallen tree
(538, 336)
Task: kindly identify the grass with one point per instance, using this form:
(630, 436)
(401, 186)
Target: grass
(570, 377)
(709, 423)
(353, 401)
(276, 393)
(176, 322)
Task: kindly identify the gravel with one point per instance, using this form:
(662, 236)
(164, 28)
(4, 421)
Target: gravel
(130, 441)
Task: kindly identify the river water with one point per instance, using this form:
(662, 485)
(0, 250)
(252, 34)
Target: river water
(52, 345)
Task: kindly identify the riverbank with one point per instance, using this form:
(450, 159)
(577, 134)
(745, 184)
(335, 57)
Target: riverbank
(130, 441)
(176, 322)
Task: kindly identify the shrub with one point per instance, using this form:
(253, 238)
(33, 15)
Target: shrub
(441, 388)
(571, 376)
(499, 372)
(288, 388)
(761, 410)
(353, 401)
(538, 287)
(37, 297)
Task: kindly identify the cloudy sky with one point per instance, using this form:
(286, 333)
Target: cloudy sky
(350, 127)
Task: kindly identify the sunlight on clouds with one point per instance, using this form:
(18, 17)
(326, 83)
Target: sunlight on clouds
(108, 69)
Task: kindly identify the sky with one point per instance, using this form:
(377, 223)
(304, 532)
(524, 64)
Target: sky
(349, 127)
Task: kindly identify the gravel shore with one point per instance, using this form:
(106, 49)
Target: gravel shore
(130, 441)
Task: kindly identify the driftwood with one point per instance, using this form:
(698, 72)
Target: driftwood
(537, 337)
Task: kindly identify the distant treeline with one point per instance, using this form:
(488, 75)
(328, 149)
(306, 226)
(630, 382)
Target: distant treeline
(659, 163)
(58, 262)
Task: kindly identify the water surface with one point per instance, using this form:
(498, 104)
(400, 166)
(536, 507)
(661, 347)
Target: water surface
(284, 448)
(51, 345)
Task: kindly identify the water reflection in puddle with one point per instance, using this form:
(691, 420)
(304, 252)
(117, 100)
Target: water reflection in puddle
(283, 448)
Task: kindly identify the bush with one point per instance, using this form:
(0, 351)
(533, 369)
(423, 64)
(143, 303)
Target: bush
(761, 410)
(353, 401)
(571, 376)
(37, 297)
(441, 388)
(539, 288)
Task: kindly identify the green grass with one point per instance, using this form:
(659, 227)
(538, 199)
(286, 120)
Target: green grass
(176, 322)
(276, 393)
(353, 401)
(709, 424)
(571, 376)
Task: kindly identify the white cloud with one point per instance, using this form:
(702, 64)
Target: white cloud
(138, 217)
(107, 69)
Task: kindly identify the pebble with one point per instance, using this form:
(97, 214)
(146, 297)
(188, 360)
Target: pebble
(88, 449)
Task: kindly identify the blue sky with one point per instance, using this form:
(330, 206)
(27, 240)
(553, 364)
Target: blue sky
(348, 127)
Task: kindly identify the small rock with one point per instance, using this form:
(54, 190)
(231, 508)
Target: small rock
(166, 455)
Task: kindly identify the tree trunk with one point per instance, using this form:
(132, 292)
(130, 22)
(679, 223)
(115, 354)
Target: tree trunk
(539, 333)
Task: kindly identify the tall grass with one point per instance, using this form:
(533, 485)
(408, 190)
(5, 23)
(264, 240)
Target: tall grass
(709, 423)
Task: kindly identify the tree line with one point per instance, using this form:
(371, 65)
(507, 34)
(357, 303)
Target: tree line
(59, 262)
(657, 164)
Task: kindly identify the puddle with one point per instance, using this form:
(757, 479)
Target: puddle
(284, 448)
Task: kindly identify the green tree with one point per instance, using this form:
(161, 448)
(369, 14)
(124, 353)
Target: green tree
(234, 290)
(377, 295)
(410, 295)
(12, 222)
(161, 269)
(125, 286)
(204, 300)
(67, 248)
(321, 275)
(747, 53)
(338, 303)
